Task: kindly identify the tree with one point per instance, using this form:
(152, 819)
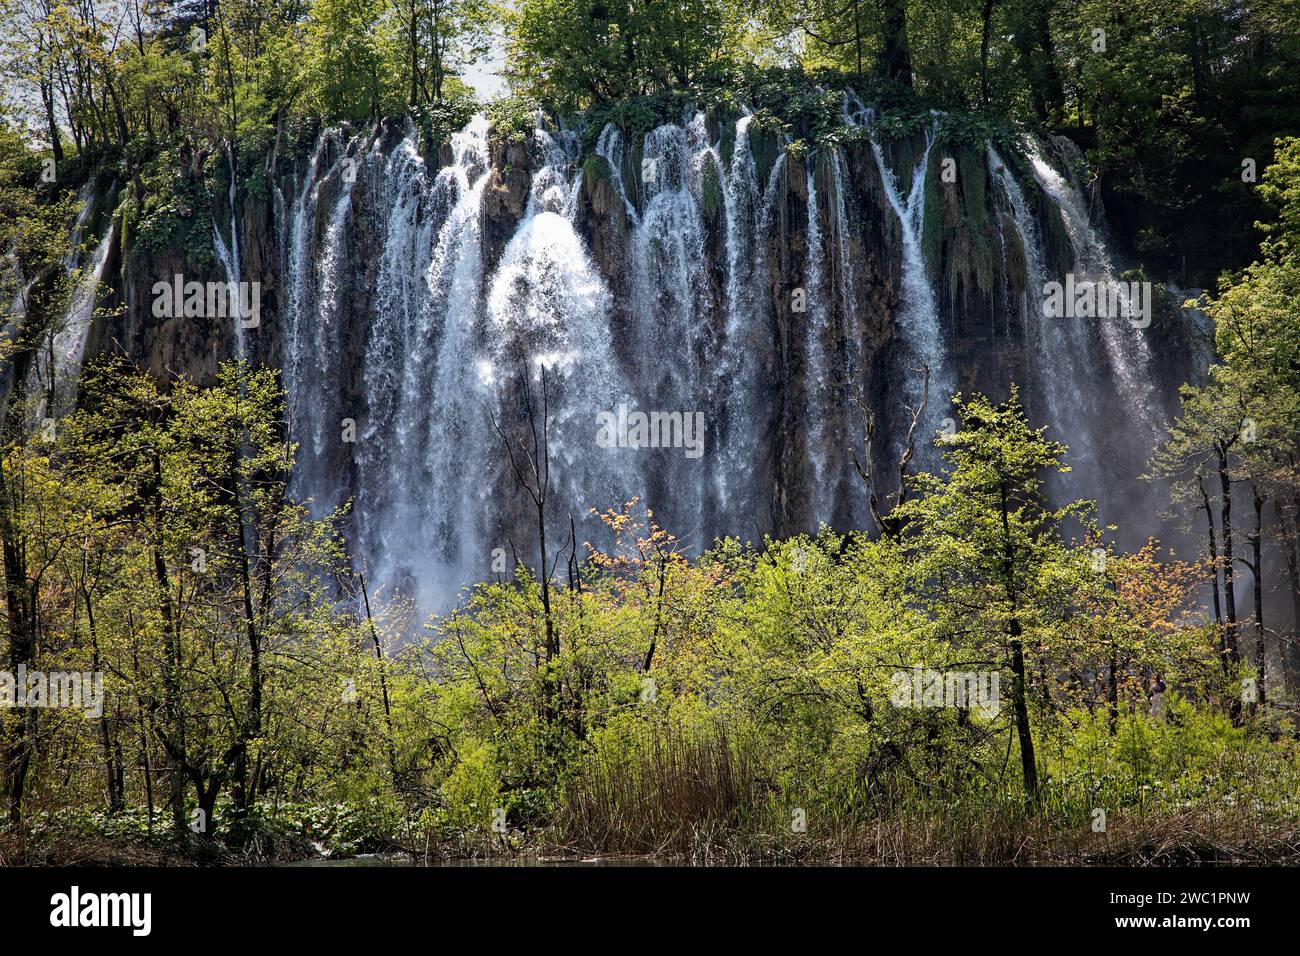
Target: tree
(576, 53)
(1136, 625)
(34, 287)
(352, 47)
(440, 36)
(229, 567)
(987, 552)
(1257, 329)
(1241, 425)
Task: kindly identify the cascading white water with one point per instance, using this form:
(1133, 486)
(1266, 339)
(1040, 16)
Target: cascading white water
(85, 204)
(42, 380)
(440, 355)
(690, 360)
(741, 408)
(673, 340)
(918, 319)
(740, 192)
(1060, 354)
(1126, 347)
(312, 477)
(60, 368)
(403, 334)
(668, 254)
(918, 315)
(228, 256)
(330, 272)
(843, 263)
(448, 341)
(609, 146)
(833, 346)
(548, 308)
(815, 315)
(423, 458)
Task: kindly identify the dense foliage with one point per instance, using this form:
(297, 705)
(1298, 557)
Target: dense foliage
(650, 702)
(1172, 101)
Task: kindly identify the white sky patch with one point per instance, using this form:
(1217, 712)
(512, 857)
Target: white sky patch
(486, 76)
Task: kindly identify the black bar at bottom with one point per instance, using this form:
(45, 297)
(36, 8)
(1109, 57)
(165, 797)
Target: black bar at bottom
(594, 907)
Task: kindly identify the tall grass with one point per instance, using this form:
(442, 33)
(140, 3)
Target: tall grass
(1169, 794)
(661, 790)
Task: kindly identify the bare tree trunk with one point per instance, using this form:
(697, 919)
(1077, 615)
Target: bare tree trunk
(887, 524)
(895, 61)
(173, 738)
(1019, 690)
(533, 473)
(413, 40)
(1020, 705)
(987, 18)
(1257, 569)
(18, 745)
(659, 615)
(249, 728)
(112, 767)
(51, 124)
(1112, 692)
(383, 680)
(1229, 590)
(1214, 571)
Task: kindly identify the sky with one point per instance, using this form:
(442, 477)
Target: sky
(485, 75)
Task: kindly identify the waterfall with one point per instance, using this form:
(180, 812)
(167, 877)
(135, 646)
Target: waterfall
(917, 316)
(548, 308)
(669, 261)
(228, 256)
(400, 350)
(85, 204)
(424, 463)
(843, 253)
(557, 183)
(1127, 353)
(841, 496)
(44, 375)
(740, 409)
(442, 335)
(740, 191)
(1061, 357)
(609, 146)
(672, 339)
(329, 271)
(59, 368)
(817, 389)
(710, 354)
(303, 388)
(829, 340)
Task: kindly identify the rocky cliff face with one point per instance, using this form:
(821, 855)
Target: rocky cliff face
(710, 266)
